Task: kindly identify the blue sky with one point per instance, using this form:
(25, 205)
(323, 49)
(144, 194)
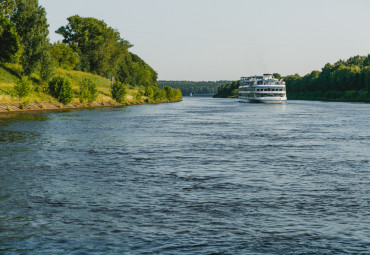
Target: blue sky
(226, 39)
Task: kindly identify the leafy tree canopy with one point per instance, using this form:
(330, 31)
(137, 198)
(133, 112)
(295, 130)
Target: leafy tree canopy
(100, 47)
(64, 56)
(31, 24)
(9, 41)
(7, 7)
(344, 80)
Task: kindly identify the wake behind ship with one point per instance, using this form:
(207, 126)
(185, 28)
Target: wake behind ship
(262, 89)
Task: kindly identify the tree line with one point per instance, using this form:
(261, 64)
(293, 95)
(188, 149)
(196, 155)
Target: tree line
(88, 45)
(345, 80)
(194, 87)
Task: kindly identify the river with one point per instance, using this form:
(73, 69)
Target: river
(202, 176)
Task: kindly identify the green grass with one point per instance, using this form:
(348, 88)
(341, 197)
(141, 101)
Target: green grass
(10, 73)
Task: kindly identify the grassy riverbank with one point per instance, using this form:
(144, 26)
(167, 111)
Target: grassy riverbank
(39, 99)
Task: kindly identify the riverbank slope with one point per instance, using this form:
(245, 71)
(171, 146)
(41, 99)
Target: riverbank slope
(40, 100)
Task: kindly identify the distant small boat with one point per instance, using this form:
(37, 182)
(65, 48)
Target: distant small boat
(262, 89)
(191, 94)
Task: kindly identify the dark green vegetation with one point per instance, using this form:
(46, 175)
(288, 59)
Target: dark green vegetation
(23, 87)
(346, 80)
(228, 90)
(89, 46)
(60, 87)
(195, 87)
(88, 90)
(118, 91)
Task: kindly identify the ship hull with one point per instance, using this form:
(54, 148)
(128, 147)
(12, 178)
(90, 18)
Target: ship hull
(264, 101)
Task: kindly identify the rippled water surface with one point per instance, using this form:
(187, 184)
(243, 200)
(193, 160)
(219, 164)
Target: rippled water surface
(203, 176)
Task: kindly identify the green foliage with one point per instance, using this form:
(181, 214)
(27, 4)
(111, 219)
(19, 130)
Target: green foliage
(277, 76)
(100, 47)
(133, 70)
(14, 69)
(7, 7)
(228, 90)
(177, 95)
(169, 92)
(159, 94)
(31, 23)
(118, 91)
(46, 69)
(195, 87)
(149, 92)
(343, 81)
(9, 41)
(102, 51)
(64, 56)
(60, 87)
(235, 93)
(88, 91)
(23, 88)
(7, 77)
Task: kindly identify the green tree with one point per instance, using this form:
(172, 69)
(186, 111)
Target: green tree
(149, 92)
(64, 56)
(366, 78)
(226, 90)
(277, 76)
(9, 41)
(101, 48)
(118, 90)
(133, 70)
(88, 91)
(23, 88)
(7, 7)
(31, 23)
(169, 92)
(178, 95)
(60, 87)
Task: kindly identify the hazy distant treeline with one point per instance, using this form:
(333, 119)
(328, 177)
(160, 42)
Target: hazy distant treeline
(194, 87)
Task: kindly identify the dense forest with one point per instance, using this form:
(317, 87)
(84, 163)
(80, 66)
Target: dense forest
(345, 80)
(195, 87)
(228, 90)
(89, 45)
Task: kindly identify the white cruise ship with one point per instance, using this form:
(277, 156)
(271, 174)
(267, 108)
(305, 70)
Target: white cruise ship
(262, 89)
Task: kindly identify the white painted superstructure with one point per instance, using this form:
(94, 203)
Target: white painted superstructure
(262, 89)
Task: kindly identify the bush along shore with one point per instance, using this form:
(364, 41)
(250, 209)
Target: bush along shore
(70, 89)
(93, 65)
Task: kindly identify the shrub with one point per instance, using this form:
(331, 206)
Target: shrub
(118, 91)
(178, 95)
(35, 78)
(149, 92)
(14, 69)
(169, 92)
(88, 91)
(23, 87)
(60, 87)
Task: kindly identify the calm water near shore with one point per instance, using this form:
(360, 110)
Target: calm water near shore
(202, 176)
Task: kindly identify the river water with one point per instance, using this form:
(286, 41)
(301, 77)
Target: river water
(203, 176)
